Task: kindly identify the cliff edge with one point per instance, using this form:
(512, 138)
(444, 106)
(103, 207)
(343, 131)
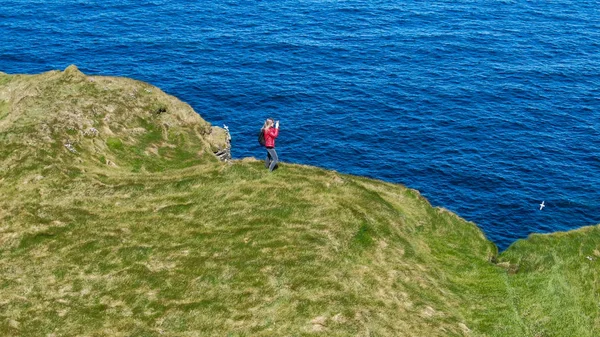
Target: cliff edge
(119, 218)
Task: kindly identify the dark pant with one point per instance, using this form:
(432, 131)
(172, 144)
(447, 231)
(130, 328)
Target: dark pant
(272, 159)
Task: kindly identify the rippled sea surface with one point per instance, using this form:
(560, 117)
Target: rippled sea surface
(486, 107)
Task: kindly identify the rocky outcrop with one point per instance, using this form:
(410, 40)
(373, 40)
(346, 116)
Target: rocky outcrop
(220, 140)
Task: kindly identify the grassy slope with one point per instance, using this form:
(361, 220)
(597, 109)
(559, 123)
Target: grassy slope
(142, 232)
(557, 285)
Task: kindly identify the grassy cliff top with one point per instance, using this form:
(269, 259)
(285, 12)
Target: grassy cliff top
(118, 220)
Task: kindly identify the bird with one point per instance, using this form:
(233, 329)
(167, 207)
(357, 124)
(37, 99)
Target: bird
(542, 205)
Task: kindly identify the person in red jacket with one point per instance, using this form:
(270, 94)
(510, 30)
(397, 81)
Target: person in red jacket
(271, 133)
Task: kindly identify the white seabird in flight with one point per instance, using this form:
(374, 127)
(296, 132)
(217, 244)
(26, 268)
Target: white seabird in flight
(542, 205)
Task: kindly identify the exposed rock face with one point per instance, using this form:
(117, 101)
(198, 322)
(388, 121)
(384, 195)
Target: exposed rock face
(220, 141)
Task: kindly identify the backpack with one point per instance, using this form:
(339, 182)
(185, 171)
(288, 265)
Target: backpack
(261, 137)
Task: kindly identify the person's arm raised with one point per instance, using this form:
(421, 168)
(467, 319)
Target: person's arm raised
(274, 132)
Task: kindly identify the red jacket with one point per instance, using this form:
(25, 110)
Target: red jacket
(270, 135)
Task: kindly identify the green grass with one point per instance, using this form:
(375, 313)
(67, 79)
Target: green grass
(114, 144)
(3, 109)
(558, 282)
(5, 78)
(249, 253)
(168, 241)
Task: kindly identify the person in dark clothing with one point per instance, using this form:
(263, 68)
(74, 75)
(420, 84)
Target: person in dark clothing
(271, 131)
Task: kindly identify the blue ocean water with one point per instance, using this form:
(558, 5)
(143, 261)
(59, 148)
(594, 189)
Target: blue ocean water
(486, 107)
